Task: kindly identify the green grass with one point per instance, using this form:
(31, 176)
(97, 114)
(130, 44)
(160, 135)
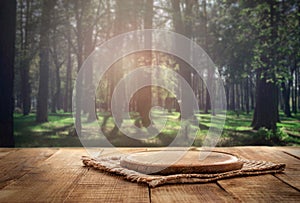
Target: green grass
(54, 133)
(59, 131)
(27, 123)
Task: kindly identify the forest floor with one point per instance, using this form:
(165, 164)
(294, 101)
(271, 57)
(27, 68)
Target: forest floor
(59, 131)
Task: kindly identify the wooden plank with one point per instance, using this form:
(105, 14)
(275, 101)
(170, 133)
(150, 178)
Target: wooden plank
(5, 151)
(42, 186)
(62, 177)
(291, 174)
(17, 162)
(8, 149)
(209, 192)
(52, 180)
(294, 151)
(97, 186)
(265, 188)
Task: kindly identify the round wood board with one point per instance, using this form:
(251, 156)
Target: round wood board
(149, 163)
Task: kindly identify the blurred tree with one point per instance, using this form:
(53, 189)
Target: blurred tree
(42, 103)
(144, 101)
(266, 109)
(26, 50)
(7, 52)
(255, 45)
(182, 22)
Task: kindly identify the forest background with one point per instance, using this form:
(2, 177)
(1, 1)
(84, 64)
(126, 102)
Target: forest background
(254, 44)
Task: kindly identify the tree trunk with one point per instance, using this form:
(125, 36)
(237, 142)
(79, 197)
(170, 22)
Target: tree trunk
(58, 87)
(286, 98)
(247, 95)
(298, 90)
(265, 109)
(7, 52)
(68, 88)
(79, 53)
(25, 87)
(238, 99)
(233, 97)
(144, 95)
(52, 90)
(227, 91)
(184, 29)
(296, 85)
(208, 102)
(252, 98)
(42, 104)
(200, 95)
(294, 91)
(298, 95)
(241, 87)
(88, 48)
(114, 75)
(57, 93)
(25, 59)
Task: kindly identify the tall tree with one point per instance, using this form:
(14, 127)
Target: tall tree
(68, 86)
(7, 51)
(266, 109)
(59, 53)
(28, 16)
(86, 17)
(94, 13)
(122, 16)
(182, 22)
(42, 104)
(205, 22)
(25, 59)
(69, 63)
(144, 95)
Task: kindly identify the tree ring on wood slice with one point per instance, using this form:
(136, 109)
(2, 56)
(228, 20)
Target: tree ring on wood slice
(147, 163)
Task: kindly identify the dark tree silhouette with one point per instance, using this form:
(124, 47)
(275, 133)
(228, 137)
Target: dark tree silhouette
(266, 109)
(7, 51)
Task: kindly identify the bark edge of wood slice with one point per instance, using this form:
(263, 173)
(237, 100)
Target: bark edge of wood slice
(215, 162)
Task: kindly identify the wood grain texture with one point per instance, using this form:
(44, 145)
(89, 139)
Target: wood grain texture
(50, 181)
(5, 151)
(57, 175)
(293, 151)
(190, 193)
(17, 162)
(291, 174)
(267, 188)
(104, 187)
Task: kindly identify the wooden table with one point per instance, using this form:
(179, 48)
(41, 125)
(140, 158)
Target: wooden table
(57, 175)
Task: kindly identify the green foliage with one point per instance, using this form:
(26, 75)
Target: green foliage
(278, 137)
(264, 135)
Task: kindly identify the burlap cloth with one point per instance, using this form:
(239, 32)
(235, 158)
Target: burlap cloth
(111, 164)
